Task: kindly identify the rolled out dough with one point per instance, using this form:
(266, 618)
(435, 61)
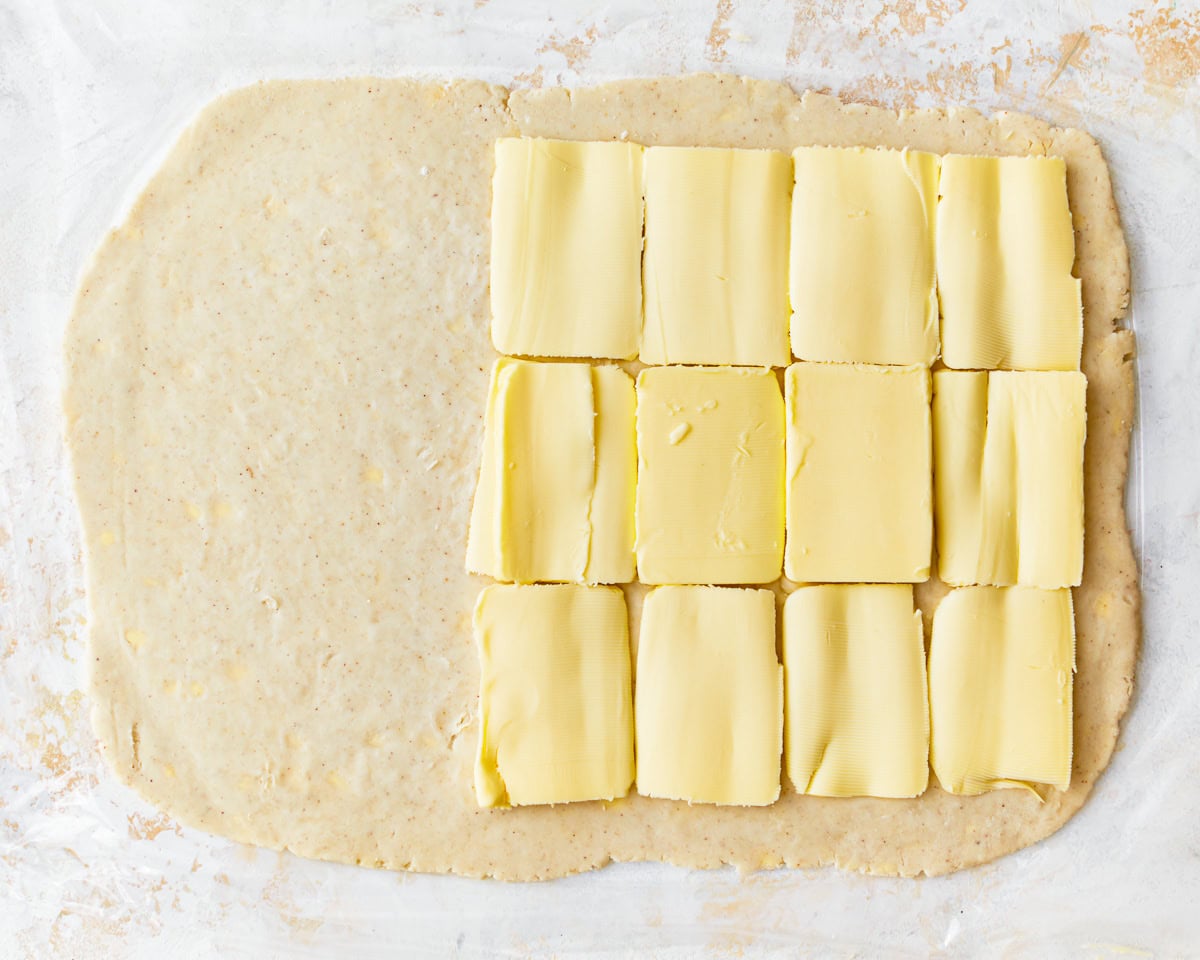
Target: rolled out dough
(276, 379)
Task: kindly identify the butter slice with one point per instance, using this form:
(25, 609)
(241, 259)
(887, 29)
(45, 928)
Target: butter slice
(716, 256)
(567, 249)
(556, 486)
(857, 714)
(1005, 249)
(862, 255)
(1000, 685)
(710, 475)
(556, 713)
(709, 696)
(611, 558)
(859, 474)
(1008, 450)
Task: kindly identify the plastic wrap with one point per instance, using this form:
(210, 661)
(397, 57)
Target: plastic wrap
(91, 96)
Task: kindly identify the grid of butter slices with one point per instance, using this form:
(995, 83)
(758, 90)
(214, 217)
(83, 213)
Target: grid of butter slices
(790, 423)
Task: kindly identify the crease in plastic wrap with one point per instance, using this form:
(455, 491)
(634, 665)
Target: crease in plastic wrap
(91, 97)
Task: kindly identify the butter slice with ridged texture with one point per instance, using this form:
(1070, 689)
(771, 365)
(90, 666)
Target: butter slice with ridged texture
(611, 555)
(554, 501)
(862, 275)
(859, 473)
(709, 696)
(710, 475)
(546, 447)
(566, 253)
(1001, 663)
(1005, 251)
(857, 713)
(556, 712)
(715, 272)
(1008, 477)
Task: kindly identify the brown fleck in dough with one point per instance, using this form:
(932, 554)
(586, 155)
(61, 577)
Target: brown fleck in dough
(277, 370)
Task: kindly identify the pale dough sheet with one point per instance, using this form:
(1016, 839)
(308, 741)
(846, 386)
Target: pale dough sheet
(277, 371)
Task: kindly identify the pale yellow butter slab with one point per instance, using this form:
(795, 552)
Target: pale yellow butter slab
(709, 696)
(857, 713)
(566, 248)
(1008, 451)
(555, 495)
(610, 518)
(1005, 250)
(859, 473)
(556, 712)
(710, 475)
(862, 255)
(715, 272)
(1001, 662)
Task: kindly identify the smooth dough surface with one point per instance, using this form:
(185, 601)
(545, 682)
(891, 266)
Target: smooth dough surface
(277, 372)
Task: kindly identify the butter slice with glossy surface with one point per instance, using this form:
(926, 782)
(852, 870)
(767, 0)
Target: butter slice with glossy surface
(611, 556)
(556, 713)
(710, 475)
(556, 485)
(855, 691)
(862, 255)
(859, 473)
(715, 274)
(709, 696)
(1008, 450)
(566, 248)
(1005, 250)
(1001, 663)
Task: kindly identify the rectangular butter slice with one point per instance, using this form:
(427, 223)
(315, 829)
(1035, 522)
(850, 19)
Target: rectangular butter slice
(709, 696)
(862, 255)
(1005, 250)
(859, 474)
(716, 256)
(710, 475)
(567, 249)
(555, 707)
(556, 487)
(611, 557)
(1008, 452)
(1000, 687)
(546, 449)
(857, 714)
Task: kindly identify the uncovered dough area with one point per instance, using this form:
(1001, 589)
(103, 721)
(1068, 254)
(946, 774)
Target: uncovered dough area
(276, 372)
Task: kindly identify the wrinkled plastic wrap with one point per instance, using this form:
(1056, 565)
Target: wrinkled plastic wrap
(92, 94)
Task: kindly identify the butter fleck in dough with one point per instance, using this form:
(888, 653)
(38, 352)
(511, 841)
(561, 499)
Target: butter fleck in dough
(291, 304)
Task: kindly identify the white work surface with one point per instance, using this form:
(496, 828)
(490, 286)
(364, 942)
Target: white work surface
(92, 92)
